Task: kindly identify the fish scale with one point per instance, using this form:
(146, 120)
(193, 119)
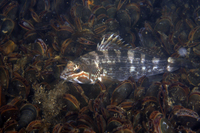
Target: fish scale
(135, 65)
(118, 64)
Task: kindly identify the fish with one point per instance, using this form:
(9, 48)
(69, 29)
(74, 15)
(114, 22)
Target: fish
(118, 63)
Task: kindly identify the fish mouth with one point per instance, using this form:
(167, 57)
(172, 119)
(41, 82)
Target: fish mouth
(65, 75)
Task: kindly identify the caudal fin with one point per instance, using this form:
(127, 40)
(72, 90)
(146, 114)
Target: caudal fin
(182, 62)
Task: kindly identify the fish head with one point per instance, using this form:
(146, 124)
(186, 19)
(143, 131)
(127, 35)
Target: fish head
(77, 72)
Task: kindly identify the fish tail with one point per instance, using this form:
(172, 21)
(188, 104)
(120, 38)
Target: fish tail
(182, 62)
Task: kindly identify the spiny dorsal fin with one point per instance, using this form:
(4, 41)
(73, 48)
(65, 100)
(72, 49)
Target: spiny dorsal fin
(112, 41)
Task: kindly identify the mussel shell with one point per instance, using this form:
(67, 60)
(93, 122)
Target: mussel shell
(123, 18)
(160, 123)
(100, 101)
(137, 120)
(34, 126)
(57, 128)
(196, 15)
(170, 77)
(148, 37)
(81, 128)
(85, 41)
(77, 91)
(27, 25)
(85, 15)
(185, 129)
(166, 126)
(134, 12)
(196, 50)
(97, 10)
(112, 24)
(101, 18)
(17, 101)
(7, 27)
(184, 116)
(71, 117)
(121, 92)
(30, 74)
(20, 86)
(67, 47)
(30, 36)
(113, 123)
(143, 82)
(184, 31)
(178, 94)
(72, 104)
(154, 89)
(9, 47)
(116, 111)
(93, 91)
(89, 130)
(127, 104)
(8, 111)
(86, 120)
(194, 34)
(193, 77)
(111, 11)
(149, 104)
(34, 15)
(194, 101)
(139, 93)
(2, 97)
(57, 70)
(100, 28)
(28, 113)
(3, 3)
(10, 125)
(120, 4)
(11, 9)
(40, 46)
(164, 25)
(101, 123)
(126, 128)
(4, 77)
(2, 18)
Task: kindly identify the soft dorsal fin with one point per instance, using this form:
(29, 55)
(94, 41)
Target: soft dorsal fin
(112, 41)
(153, 51)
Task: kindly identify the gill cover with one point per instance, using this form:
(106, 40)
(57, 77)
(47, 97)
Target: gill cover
(74, 72)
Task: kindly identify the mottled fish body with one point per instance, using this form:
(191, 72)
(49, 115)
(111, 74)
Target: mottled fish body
(118, 64)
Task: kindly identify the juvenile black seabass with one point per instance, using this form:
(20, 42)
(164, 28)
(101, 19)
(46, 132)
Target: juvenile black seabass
(117, 63)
